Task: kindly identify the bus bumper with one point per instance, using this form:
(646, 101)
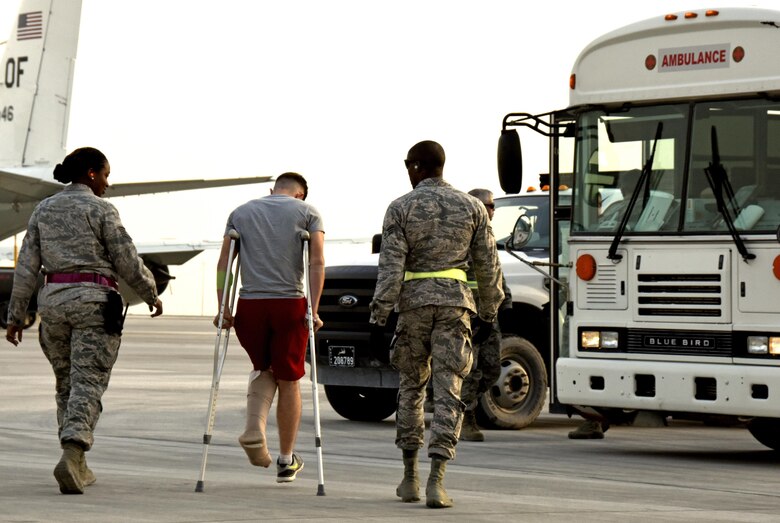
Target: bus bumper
(729, 389)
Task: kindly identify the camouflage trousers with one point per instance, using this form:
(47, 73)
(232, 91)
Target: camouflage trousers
(82, 356)
(484, 371)
(433, 342)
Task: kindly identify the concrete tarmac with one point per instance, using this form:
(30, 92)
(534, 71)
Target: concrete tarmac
(148, 449)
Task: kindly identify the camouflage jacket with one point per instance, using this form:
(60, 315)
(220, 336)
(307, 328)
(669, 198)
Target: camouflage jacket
(434, 228)
(76, 231)
(506, 303)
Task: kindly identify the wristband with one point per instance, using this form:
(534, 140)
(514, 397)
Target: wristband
(221, 279)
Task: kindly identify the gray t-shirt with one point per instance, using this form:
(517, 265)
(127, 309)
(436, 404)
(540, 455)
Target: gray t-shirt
(270, 246)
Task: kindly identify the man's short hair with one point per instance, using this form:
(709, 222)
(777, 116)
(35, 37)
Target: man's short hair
(482, 195)
(428, 153)
(290, 181)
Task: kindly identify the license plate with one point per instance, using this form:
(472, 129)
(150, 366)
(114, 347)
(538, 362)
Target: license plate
(341, 355)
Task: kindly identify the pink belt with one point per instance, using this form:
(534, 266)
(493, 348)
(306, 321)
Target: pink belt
(81, 277)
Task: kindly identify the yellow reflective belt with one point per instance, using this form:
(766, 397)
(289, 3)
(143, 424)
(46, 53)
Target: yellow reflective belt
(472, 284)
(453, 274)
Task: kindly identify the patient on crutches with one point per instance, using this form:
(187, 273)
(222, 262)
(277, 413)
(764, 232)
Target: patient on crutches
(271, 320)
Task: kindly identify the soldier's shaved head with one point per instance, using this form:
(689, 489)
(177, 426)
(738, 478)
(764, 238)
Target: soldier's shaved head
(425, 160)
(430, 155)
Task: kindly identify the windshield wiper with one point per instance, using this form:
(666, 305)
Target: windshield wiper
(718, 180)
(644, 177)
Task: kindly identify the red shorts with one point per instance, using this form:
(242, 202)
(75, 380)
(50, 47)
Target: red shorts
(273, 332)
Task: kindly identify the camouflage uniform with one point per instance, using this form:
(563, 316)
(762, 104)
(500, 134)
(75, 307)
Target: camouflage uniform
(434, 228)
(75, 231)
(487, 357)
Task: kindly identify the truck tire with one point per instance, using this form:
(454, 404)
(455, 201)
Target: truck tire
(362, 403)
(766, 431)
(517, 397)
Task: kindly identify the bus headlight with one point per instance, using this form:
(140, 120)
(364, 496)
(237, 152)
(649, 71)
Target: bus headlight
(757, 345)
(609, 340)
(590, 339)
(599, 340)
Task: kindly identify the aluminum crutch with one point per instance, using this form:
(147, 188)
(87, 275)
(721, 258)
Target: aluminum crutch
(305, 237)
(220, 351)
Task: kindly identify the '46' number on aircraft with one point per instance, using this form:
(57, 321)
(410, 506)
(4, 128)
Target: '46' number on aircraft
(7, 115)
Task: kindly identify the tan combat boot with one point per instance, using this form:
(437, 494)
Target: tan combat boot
(435, 495)
(68, 470)
(469, 431)
(259, 397)
(589, 429)
(409, 489)
(87, 476)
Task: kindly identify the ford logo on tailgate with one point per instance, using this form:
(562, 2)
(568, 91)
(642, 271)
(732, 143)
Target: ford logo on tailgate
(348, 300)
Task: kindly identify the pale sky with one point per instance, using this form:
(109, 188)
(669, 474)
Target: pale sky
(335, 90)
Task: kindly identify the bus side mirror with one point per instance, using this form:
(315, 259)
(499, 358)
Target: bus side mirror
(521, 234)
(510, 162)
(376, 243)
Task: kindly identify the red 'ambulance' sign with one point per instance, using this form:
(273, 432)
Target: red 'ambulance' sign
(691, 58)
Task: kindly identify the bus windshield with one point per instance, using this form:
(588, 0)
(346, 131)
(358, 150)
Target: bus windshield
(688, 167)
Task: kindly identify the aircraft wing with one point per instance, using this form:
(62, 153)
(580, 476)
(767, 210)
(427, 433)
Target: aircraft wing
(171, 254)
(21, 193)
(19, 188)
(128, 189)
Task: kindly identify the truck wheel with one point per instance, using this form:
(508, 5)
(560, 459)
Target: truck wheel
(766, 431)
(362, 403)
(517, 397)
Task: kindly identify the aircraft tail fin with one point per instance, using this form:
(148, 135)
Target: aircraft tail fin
(36, 76)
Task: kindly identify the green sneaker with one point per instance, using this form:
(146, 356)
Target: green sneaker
(287, 473)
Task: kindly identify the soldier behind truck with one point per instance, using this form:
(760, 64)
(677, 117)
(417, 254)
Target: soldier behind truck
(487, 354)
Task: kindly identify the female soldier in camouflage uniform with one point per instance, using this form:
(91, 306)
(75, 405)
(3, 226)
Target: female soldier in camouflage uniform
(78, 240)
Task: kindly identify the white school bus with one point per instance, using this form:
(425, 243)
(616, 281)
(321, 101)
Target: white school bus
(667, 281)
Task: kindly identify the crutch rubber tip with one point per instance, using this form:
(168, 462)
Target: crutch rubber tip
(320, 490)
(199, 487)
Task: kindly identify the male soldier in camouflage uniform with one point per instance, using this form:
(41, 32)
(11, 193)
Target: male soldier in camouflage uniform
(428, 236)
(79, 240)
(487, 355)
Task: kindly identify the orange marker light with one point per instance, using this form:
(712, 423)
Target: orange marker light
(738, 54)
(586, 267)
(690, 14)
(670, 17)
(650, 62)
(776, 267)
(712, 12)
(572, 81)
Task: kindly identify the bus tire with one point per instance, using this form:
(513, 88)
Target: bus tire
(518, 395)
(766, 431)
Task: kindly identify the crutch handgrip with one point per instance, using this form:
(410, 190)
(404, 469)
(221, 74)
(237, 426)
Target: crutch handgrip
(305, 236)
(233, 234)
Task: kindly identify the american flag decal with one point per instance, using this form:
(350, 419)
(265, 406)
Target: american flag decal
(30, 26)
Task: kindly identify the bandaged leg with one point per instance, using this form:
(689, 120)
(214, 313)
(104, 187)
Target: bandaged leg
(259, 397)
